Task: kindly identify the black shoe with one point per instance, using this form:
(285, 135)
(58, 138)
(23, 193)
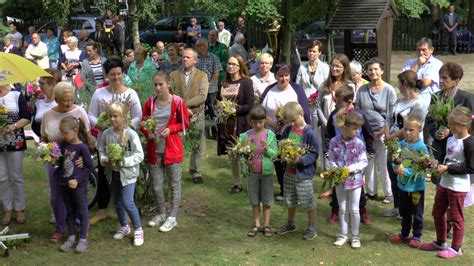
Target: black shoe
(372, 197)
(235, 189)
(197, 180)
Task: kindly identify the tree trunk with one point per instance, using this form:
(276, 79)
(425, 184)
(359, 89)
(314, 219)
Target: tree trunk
(470, 18)
(134, 17)
(287, 10)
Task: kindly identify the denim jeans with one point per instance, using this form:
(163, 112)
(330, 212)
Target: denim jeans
(123, 199)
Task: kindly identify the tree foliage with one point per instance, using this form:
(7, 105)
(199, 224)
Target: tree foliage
(261, 11)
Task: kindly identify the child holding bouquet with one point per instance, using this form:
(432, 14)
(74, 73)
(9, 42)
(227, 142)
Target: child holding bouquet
(74, 180)
(260, 180)
(348, 150)
(345, 103)
(412, 188)
(164, 116)
(454, 184)
(121, 153)
(297, 181)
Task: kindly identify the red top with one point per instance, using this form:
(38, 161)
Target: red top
(179, 121)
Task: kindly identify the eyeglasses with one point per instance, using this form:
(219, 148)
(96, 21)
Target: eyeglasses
(233, 65)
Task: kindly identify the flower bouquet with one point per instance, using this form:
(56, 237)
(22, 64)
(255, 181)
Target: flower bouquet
(394, 151)
(115, 153)
(422, 163)
(335, 176)
(150, 126)
(33, 91)
(243, 149)
(439, 111)
(313, 98)
(49, 153)
(103, 120)
(290, 150)
(224, 110)
(3, 116)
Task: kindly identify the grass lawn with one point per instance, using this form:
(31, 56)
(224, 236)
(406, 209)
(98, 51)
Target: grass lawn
(212, 227)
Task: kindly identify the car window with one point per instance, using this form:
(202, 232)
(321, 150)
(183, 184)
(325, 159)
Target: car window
(87, 25)
(168, 23)
(315, 30)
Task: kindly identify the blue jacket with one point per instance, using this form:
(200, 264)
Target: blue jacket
(411, 185)
(302, 99)
(306, 165)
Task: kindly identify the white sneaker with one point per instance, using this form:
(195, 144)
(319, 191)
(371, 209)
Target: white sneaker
(341, 240)
(355, 243)
(138, 237)
(169, 224)
(160, 218)
(122, 232)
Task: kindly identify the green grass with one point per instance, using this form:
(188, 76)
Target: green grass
(212, 227)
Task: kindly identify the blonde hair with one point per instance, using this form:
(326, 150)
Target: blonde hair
(413, 119)
(120, 108)
(61, 88)
(292, 110)
(461, 115)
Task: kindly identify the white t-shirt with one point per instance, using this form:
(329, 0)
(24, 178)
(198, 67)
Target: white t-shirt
(42, 107)
(259, 85)
(103, 97)
(51, 120)
(276, 98)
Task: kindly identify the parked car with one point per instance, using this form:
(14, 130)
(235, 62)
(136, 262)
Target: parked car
(165, 28)
(76, 23)
(316, 31)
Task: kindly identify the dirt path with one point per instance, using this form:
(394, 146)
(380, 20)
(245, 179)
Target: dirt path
(465, 60)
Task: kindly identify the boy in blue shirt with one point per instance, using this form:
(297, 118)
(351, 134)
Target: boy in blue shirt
(412, 191)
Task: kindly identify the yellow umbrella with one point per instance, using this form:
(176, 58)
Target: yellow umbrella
(14, 69)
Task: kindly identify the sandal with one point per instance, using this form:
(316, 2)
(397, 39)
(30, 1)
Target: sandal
(267, 231)
(253, 232)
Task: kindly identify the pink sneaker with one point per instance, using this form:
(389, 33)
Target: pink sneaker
(433, 246)
(449, 253)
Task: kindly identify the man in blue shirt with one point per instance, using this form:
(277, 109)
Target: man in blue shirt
(451, 22)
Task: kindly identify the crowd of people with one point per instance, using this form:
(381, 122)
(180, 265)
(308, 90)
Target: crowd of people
(341, 120)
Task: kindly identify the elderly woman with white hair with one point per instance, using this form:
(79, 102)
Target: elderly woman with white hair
(356, 74)
(238, 47)
(72, 57)
(264, 77)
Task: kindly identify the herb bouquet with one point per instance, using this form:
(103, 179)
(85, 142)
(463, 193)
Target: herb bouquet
(115, 152)
(49, 153)
(335, 176)
(244, 150)
(439, 111)
(150, 126)
(290, 150)
(224, 110)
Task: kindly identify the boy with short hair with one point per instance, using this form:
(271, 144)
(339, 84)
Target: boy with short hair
(298, 179)
(412, 191)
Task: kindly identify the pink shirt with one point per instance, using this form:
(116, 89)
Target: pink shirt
(257, 139)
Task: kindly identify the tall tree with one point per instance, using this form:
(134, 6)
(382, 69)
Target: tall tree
(287, 8)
